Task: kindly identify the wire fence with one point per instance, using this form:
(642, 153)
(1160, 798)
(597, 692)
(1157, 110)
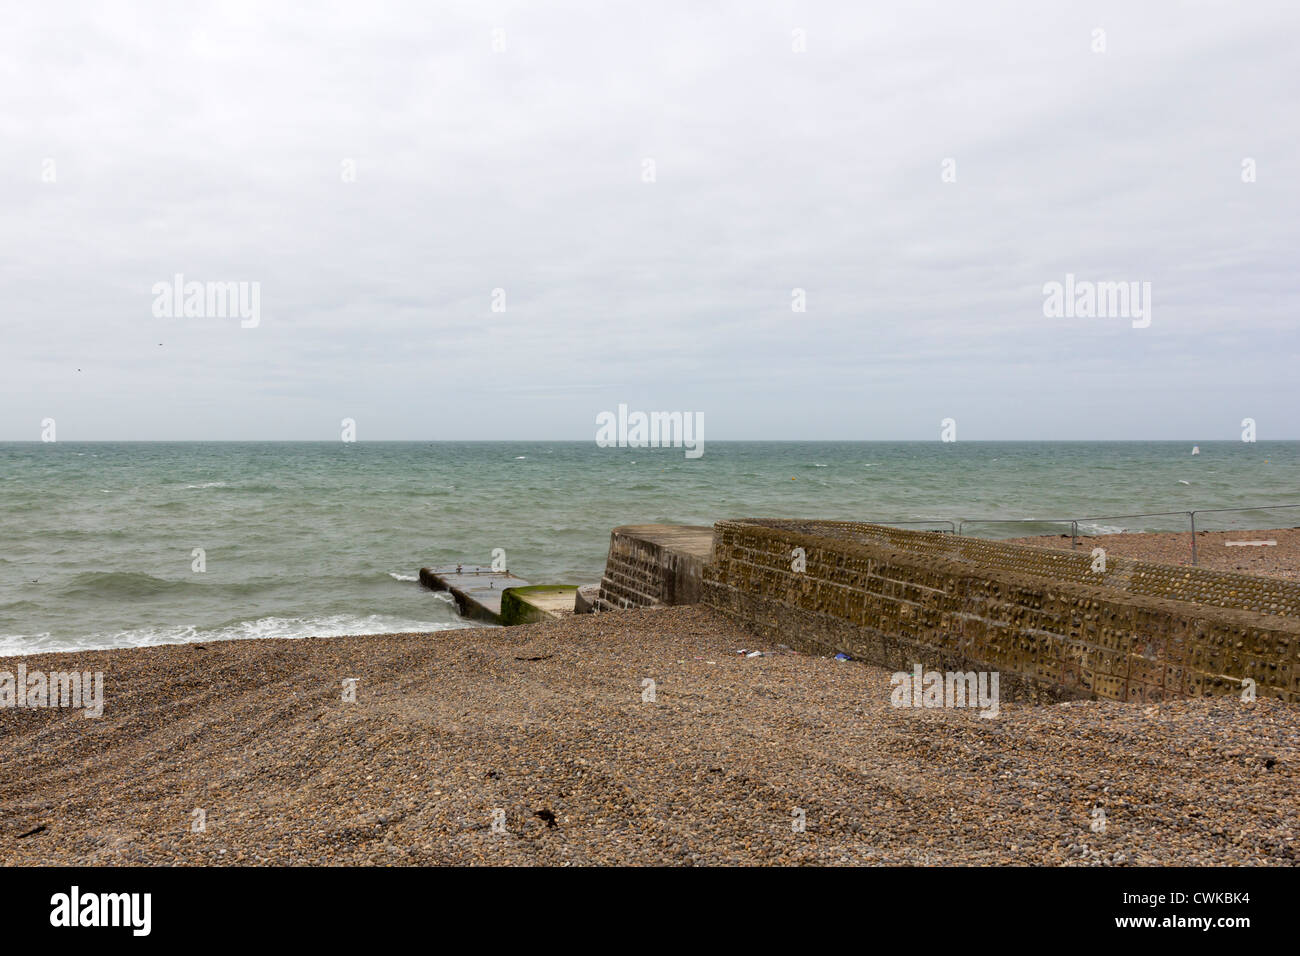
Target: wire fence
(959, 526)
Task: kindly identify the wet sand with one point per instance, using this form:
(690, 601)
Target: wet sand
(547, 724)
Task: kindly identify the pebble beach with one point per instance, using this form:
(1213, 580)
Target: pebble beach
(1215, 550)
(543, 745)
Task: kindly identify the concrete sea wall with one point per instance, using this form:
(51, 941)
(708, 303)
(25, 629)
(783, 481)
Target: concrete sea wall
(650, 565)
(1049, 624)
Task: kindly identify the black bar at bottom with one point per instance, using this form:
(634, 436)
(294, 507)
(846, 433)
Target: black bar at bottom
(333, 906)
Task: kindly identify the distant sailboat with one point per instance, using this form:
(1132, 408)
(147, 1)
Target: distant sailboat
(1196, 449)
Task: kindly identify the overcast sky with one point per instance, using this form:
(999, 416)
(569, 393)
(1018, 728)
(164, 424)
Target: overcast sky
(139, 141)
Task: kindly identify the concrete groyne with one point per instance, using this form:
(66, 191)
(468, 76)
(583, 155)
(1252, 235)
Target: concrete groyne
(477, 590)
(498, 597)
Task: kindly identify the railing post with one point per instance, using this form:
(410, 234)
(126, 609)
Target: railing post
(1074, 535)
(1192, 515)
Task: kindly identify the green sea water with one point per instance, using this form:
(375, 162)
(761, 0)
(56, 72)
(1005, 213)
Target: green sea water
(98, 540)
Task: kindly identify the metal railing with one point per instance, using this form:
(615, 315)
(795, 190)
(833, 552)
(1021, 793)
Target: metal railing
(951, 529)
(1075, 522)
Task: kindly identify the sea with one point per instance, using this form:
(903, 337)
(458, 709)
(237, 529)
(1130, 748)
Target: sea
(122, 544)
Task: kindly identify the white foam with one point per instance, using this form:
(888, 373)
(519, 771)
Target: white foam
(209, 484)
(335, 625)
(1095, 529)
(397, 576)
(14, 645)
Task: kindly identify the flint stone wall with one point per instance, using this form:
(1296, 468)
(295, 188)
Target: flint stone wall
(897, 598)
(1227, 589)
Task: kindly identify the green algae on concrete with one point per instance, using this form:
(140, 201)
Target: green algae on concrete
(537, 602)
